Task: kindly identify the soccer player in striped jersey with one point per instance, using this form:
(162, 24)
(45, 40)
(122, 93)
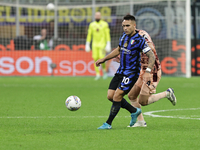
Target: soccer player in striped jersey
(129, 48)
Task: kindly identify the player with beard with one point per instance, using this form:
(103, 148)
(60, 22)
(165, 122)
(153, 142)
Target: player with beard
(129, 48)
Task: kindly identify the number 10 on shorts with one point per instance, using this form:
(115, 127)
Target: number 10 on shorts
(125, 80)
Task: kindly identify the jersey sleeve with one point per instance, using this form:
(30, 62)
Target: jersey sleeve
(89, 35)
(144, 46)
(120, 41)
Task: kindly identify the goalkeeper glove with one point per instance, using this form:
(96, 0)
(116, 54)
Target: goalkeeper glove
(108, 47)
(87, 46)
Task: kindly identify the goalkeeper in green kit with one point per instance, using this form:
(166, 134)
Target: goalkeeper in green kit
(99, 34)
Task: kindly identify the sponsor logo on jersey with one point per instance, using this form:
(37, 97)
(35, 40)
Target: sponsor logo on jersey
(126, 51)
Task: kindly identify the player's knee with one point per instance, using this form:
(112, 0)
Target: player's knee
(110, 97)
(132, 97)
(118, 96)
(143, 102)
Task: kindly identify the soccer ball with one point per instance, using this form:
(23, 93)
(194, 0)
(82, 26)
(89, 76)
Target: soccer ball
(73, 103)
(50, 6)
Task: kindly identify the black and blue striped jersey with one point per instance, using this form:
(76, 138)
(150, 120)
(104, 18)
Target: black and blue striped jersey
(130, 48)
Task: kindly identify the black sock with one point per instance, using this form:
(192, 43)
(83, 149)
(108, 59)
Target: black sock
(113, 111)
(127, 106)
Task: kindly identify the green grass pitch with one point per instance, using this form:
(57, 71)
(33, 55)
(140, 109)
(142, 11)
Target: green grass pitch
(33, 116)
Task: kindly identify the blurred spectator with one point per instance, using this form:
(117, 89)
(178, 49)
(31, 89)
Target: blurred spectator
(42, 40)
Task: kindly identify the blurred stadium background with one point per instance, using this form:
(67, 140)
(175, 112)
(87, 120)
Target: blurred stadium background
(167, 21)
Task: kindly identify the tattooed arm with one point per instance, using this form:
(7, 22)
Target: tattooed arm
(147, 75)
(151, 57)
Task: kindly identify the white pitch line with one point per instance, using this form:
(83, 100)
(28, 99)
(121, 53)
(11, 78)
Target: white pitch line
(150, 113)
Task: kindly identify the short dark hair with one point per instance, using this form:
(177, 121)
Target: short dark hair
(129, 17)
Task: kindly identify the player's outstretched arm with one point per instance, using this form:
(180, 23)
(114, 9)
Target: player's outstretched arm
(113, 54)
(117, 59)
